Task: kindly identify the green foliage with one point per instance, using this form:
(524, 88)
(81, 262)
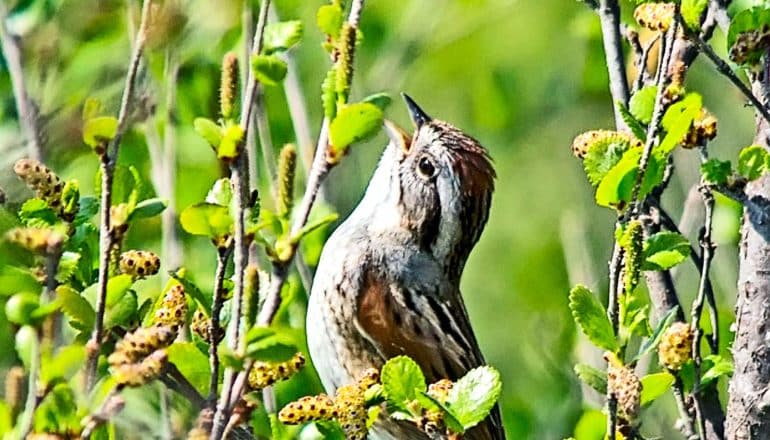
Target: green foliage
(230, 147)
(273, 344)
(209, 130)
(148, 208)
(601, 158)
(206, 219)
(77, 308)
(616, 188)
(691, 11)
(402, 381)
(716, 171)
(642, 103)
(655, 385)
(593, 377)
(193, 364)
(329, 19)
(269, 69)
(474, 395)
(282, 36)
(678, 119)
(636, 127)
(665, 250)
(99, 130)
(353, 123)
(591, 316)
(652, 342)
(714, 367)
(19, 308)
(753, 161)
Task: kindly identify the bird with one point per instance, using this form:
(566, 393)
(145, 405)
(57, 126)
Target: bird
(387, 282)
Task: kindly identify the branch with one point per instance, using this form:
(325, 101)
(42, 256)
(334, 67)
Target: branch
(239, 180)
(609, 15)
(175, 380)
(723, 68)
(108, 160)
(214, 327)
(613, 313)
(25, 108)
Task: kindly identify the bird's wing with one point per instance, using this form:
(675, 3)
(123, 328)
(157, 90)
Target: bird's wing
(428, 323)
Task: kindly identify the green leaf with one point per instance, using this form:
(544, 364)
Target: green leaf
(14, 280)
(474, 395)
(654, 386)
(208, 130)
(99, 130)
(329, 19)
(206, 219)
(593, 377)
(311, 227)
(678, 119)
(89, 206)
(272, 344)
(354, 122)
(402, 380)
(193, 364)
(753, 161)
(221, 193)
(231, 143)
(117, 287)
(148, 208)
(68, 265)
(746, 22)
(75, 306)
(381, 100)
(721, 367)
(617, 185)
(26, 345)
(592, 425)
(204, 300)
(20, 308)
(122, 312)
(642, 104)
(65, 364)
(428, 402)
(665, 250)
(652, 342)
(636, 127)
(716, 171)
(36, 213)
(600, 159)
(269, 69)
(281, 36)
(691, 11)
(590, 315)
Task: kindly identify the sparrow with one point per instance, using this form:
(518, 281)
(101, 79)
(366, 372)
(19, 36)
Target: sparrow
(387, 283)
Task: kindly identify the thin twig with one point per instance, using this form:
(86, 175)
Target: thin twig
(657, 114)
(614, 316)
(27, 417)
(723, 68)
(239, 179)
(108, 160)
(174, 379)
(214, 326)
(25, 108)
(609, 15)
(688, 424)
(643, 76)
(707, 246)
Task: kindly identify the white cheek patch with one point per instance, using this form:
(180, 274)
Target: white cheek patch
(449, 196)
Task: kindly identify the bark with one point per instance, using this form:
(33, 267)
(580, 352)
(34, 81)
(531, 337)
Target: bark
(748, 415)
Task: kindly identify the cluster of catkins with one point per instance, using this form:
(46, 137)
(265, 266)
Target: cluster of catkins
(140, 356)
(655, 16)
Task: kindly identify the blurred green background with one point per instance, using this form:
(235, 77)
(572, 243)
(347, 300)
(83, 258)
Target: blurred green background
(524, 77)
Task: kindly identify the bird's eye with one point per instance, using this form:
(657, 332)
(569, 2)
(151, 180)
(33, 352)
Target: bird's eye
(426, 168)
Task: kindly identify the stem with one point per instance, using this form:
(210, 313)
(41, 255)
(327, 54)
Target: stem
(697, 309)
(239, 179)
(214, 326)
(108, 161)
(25, 108)
(613, 315)
(609, 15)
(688, 424)
(26, 419)
(723, 68)
(175, 380)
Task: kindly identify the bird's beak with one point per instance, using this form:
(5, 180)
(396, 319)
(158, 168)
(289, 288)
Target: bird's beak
(398, 136)
(419, 117)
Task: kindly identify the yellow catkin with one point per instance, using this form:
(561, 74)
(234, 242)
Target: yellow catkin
(139, 264)
(703, 129)
(594, 138)
(40, 179)
(39, 240)
(14, 389)
(351, 411)
(308, 408)
(655, 16)
(251, 295)
(201, 326)
(287, 166)
(675, 347)
(142, 372)
(632, 243)
(228, 88)
(138, 344)
(624, 384)
(264, 374)
(173, 308)
(346, 45)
